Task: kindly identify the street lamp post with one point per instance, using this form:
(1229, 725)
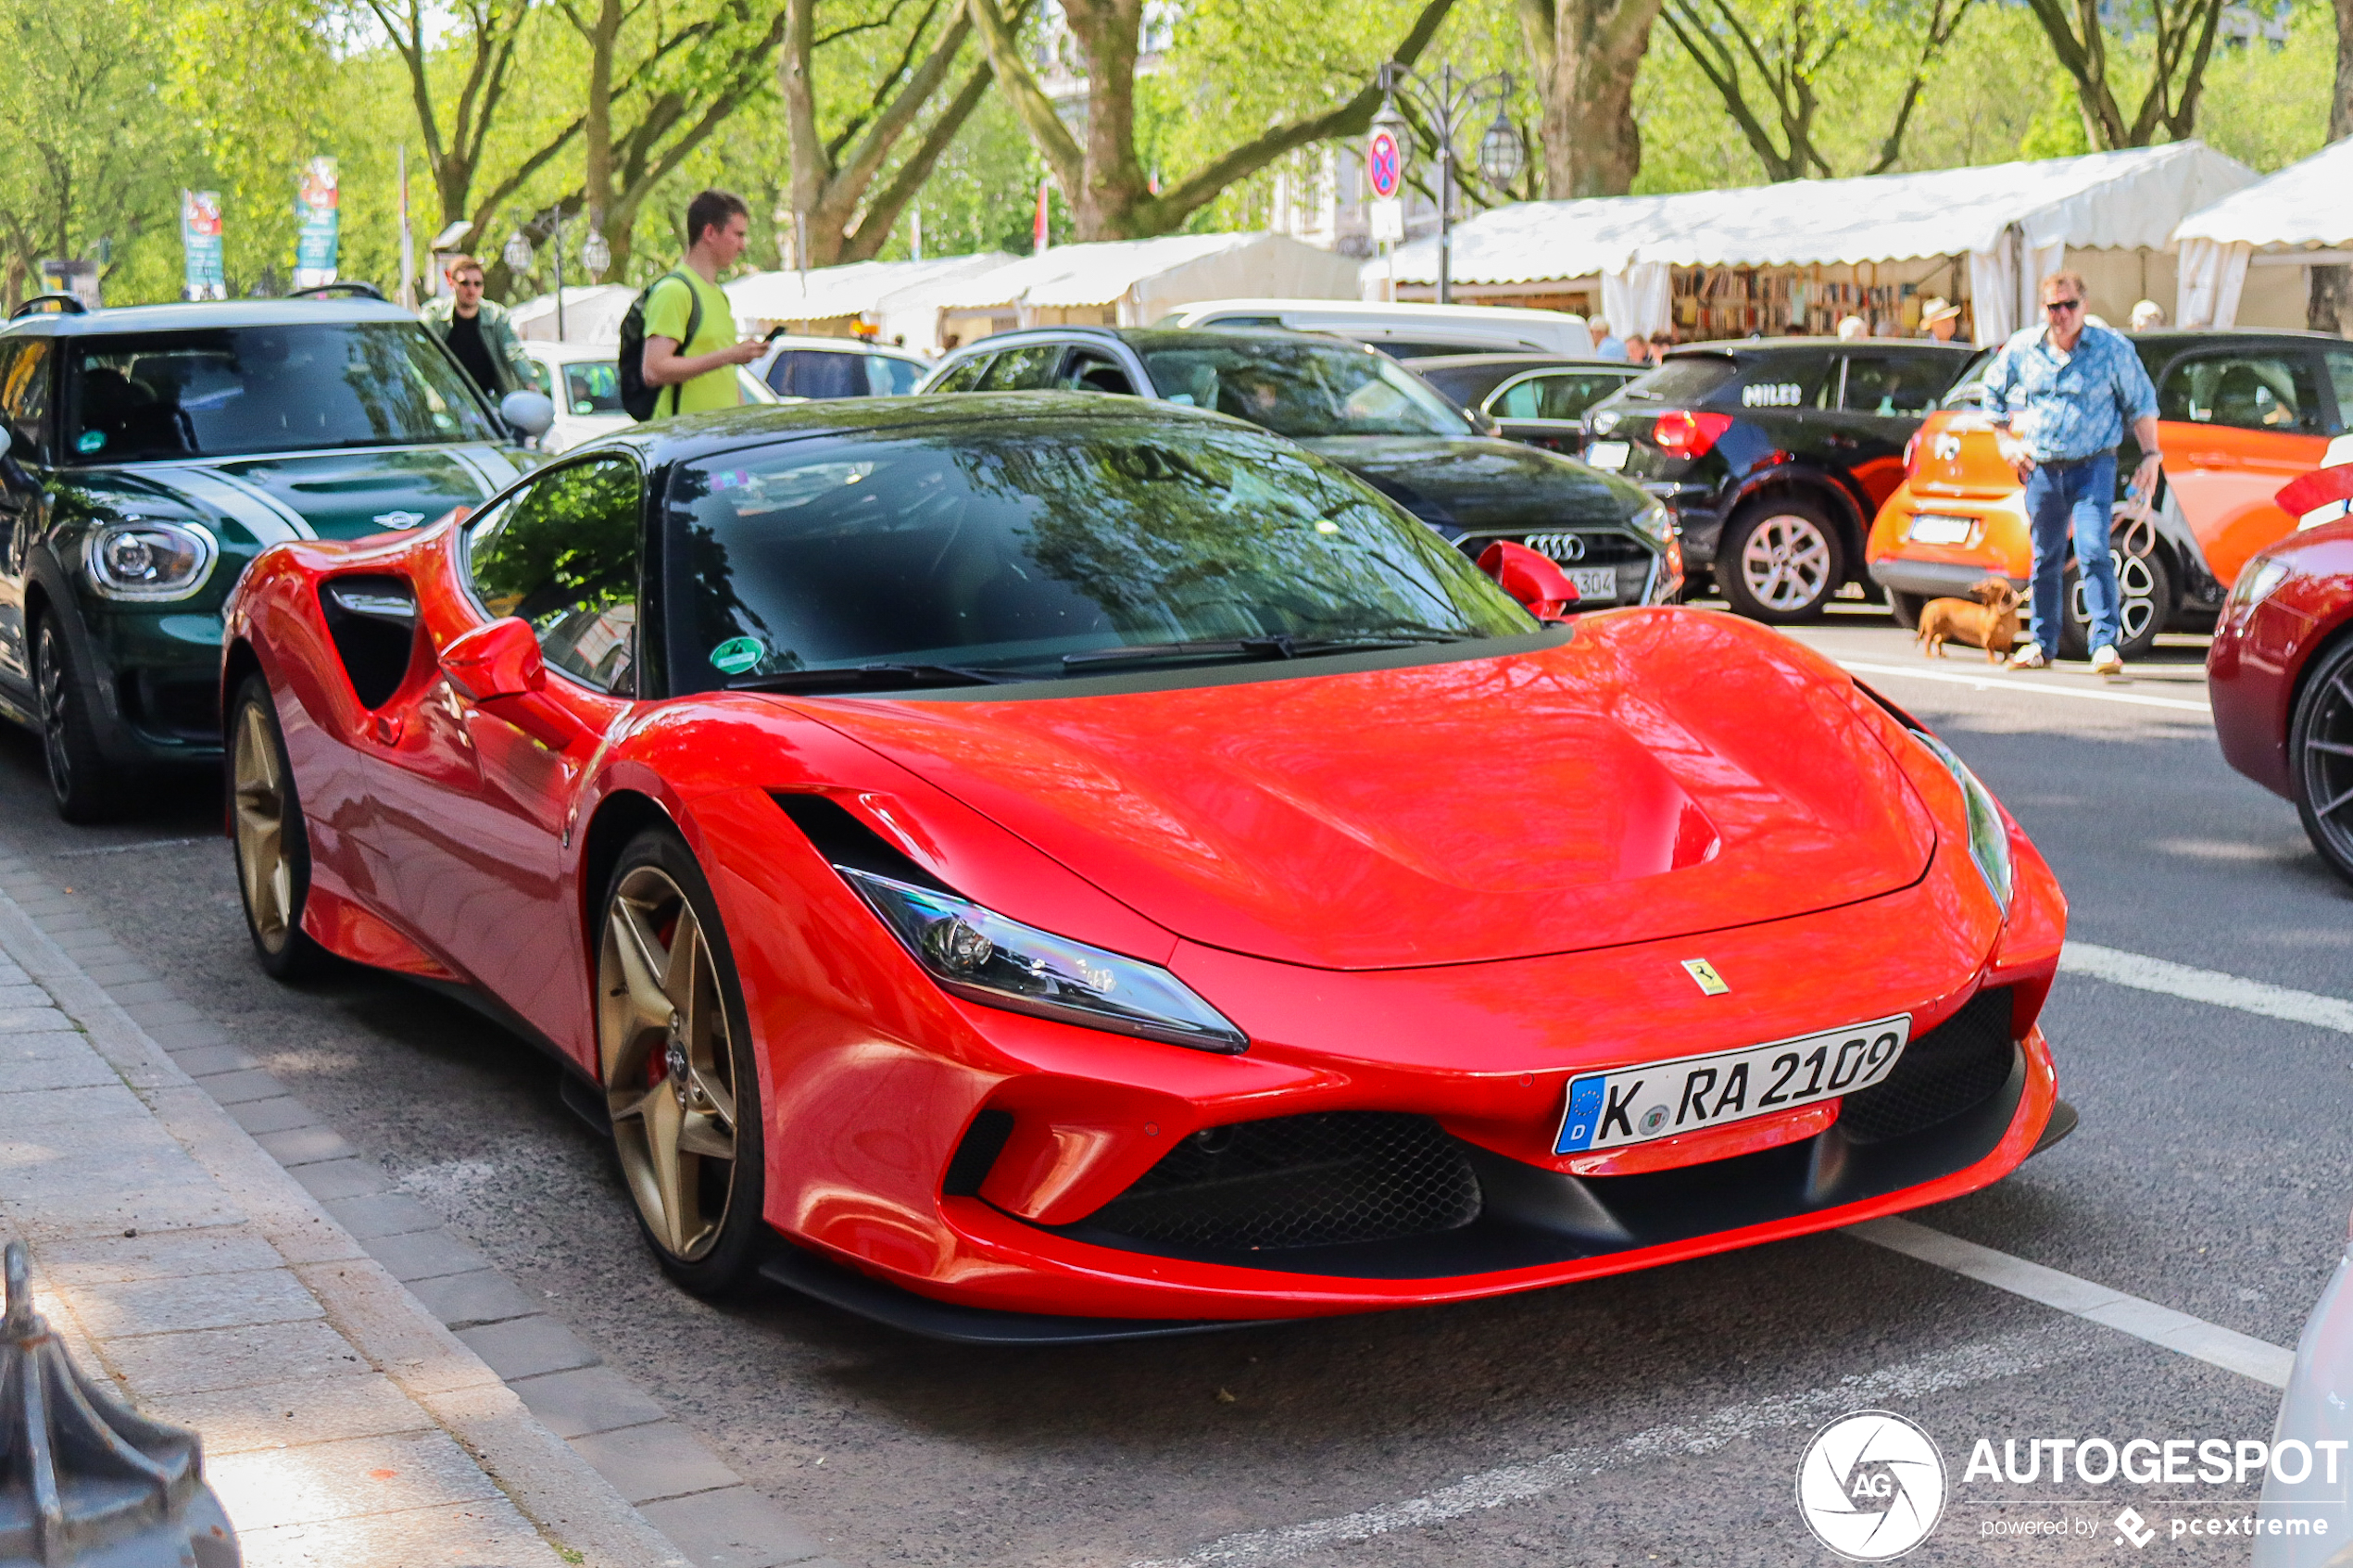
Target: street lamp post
(595, 255)
(1450, 105)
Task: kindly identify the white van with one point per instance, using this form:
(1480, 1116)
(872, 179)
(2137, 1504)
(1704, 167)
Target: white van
(1403, 332)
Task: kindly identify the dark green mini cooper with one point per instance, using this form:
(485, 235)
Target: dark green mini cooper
(152, 452)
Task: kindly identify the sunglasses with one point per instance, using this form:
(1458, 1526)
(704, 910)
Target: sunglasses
(2058, 307)
(467, 283)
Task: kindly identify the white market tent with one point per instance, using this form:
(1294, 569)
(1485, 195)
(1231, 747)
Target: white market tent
(831, 300)
(2298, 219)
(1134, 283)
(591, 314)
(2010, 223)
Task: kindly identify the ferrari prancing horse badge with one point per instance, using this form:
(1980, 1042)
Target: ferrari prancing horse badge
(1704, 974)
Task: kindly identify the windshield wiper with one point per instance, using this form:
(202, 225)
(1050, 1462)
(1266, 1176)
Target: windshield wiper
(865, 677)
(1279, 644)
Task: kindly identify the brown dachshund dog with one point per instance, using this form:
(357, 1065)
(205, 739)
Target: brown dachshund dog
(1990, 623)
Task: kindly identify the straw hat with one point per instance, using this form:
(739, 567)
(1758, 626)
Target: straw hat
(1936, 309)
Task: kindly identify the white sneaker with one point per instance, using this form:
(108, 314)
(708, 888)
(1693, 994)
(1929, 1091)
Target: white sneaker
(2107, 661)
(2028, 656)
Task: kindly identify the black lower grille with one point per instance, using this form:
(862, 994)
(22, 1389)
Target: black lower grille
(1299, 1181)
(1953, 1068)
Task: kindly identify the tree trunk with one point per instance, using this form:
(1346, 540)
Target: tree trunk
(603, 36)
(2330, 309)
(1587, 53)
(1102, 176)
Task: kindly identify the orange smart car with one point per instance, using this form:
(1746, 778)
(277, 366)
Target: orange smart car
(2239, 413)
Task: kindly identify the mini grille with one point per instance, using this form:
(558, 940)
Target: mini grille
(1299, 1181)
(1953, 1068)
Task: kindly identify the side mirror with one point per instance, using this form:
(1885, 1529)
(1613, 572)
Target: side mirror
(1534, 579)
(528, 412)
(499, 659)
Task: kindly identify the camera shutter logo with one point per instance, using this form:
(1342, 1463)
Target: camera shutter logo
(1872, 1486)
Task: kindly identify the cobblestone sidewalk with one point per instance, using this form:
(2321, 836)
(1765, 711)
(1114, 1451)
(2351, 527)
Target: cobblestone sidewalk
(342, 1423)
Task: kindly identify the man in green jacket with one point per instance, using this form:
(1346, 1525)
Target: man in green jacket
(479, 333)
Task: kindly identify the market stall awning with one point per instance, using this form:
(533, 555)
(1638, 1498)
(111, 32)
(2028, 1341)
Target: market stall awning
(856, 288)
(2128, 199)
(2302, 214)
(1145, 278)
(2305, 205)
(592, 314)
(2008, 217)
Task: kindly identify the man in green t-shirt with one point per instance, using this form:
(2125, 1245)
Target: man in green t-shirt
(700, 373)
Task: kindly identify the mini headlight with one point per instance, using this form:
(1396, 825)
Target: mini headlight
(982, 957)
(149, 560)
(1989, 838)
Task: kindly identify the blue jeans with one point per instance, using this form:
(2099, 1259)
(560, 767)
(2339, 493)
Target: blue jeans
(2078, 498)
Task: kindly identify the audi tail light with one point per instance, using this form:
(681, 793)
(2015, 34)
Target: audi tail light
(1681, 433)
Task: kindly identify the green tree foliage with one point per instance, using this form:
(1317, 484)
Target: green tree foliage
(87, 165)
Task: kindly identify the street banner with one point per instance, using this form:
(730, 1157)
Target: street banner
(200, 243)
(316, 246)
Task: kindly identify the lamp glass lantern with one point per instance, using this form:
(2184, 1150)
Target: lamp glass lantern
(1502, 155)
(595, 255)
(517, 253)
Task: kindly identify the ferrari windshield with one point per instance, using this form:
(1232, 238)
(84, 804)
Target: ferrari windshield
(1302, 389)
(235, 391)
(1063, 547)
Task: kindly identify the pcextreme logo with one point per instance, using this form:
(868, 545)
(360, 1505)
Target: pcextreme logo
(1872, 1486)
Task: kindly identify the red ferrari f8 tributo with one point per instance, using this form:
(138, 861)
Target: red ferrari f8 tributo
(1051, 867)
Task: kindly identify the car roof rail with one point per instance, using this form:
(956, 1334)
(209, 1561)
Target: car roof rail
(51, 304)
(347, 287)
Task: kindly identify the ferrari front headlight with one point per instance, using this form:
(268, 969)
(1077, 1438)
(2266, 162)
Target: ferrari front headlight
(141, 559)
(979, 955)
(1989, 837)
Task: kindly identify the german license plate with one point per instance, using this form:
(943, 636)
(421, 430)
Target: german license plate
(1593, 582)
(1660, 1100)
(1928, 528)
(1610, 454)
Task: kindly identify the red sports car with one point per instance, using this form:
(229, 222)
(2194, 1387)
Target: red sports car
(2281, 669)
(1041, 866)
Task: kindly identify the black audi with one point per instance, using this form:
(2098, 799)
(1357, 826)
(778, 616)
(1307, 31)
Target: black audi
(1774, 456)
(1358, 408)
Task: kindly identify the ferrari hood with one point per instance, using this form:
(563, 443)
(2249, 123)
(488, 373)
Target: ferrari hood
(334, 495)
(1662, 773)
(1478, 487)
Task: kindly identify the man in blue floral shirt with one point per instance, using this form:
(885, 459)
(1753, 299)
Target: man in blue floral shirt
(2062, 393)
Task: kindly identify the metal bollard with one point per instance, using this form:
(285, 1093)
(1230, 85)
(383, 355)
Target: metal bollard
(83, 1478)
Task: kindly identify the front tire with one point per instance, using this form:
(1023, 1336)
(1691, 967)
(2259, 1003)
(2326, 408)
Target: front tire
(83, 784)
(1780, 560)
(681, 1088)
(273, 841)
(2320, 755)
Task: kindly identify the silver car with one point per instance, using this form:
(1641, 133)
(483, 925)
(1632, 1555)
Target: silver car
(2317, 1409)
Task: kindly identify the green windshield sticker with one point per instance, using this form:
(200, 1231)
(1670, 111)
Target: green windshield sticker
(90, 441)
(738, 654)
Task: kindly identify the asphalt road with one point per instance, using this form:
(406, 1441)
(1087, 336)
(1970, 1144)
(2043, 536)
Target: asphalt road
(1658, 1418)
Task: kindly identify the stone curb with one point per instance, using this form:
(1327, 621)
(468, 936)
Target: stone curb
(548, 1481)
(563, 1416)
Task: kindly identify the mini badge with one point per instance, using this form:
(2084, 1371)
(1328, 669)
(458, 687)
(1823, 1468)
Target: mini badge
(737, 653)
(1704, 976)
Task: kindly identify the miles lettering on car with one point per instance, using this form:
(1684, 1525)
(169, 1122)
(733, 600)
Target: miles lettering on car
(1661, 1099)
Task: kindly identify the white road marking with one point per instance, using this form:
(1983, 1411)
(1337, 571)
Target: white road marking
(1991, 682)
(2006, 1356)
(129, 848)
(2144, 973)
(2161, 1326)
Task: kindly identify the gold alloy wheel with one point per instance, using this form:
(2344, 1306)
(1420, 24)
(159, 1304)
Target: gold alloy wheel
(669, 1062)
(260, 796)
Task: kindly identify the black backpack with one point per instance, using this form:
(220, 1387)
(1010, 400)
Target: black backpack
(642, 402)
